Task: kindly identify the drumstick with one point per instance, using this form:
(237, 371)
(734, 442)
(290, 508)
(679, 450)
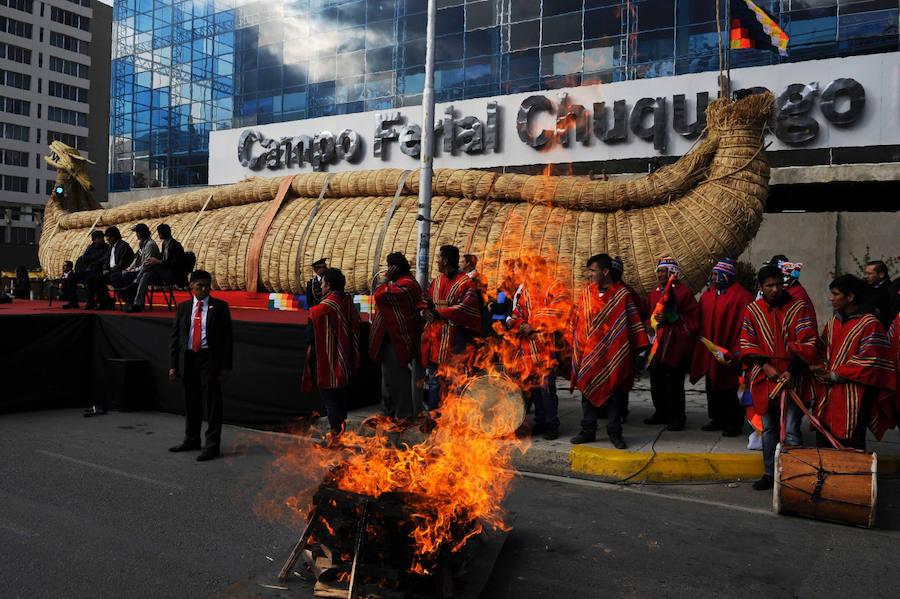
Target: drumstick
(778, 387)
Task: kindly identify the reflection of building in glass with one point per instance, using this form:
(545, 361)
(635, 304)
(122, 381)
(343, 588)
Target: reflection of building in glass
(183, 68)
(54, 72)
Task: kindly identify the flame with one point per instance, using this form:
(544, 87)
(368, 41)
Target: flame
(455, 480)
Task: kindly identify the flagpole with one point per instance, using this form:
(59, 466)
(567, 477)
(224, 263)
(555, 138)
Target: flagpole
(425, 174)
(728, 49)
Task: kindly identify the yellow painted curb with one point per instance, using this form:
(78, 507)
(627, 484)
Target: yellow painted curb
(675, 467)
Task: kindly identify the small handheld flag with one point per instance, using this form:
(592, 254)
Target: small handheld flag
(723, 356)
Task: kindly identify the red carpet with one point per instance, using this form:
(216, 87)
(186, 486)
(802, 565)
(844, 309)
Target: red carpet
(244, 307)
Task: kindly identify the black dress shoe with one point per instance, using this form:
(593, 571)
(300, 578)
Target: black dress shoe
(676, 426)
(185, 447)
(130, 308)
(712, 425)
(69, 306)
(90, 306)
(617, 441)
(584, 437)
(655, 419)
(208, 454)
(764, 484)
(551, 433)
(538, 428)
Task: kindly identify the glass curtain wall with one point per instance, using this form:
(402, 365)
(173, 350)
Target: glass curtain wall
(182, 68)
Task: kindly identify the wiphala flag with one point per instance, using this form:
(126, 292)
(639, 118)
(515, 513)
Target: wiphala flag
(752, 27)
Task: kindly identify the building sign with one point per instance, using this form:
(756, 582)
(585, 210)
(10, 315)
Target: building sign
(819, 104)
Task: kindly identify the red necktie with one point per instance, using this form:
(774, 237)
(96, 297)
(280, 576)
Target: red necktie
(198, 328)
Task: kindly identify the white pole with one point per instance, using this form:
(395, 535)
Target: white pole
(425, 174)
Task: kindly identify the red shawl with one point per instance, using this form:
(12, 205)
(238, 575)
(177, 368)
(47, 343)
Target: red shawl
(894, 336)
(335, 324)
(721, 315)
(395, 316)
(799, 291)
(609, 335)
(676, 338)
(547, 310)
(456, 301)
(857, 350)
(777, 334)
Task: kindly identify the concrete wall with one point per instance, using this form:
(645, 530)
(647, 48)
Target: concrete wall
(826, 243)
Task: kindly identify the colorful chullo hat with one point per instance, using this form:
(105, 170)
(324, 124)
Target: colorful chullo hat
(727, 267)
(669, 263)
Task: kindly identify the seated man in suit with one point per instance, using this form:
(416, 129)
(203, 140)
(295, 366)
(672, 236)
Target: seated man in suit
(89, 269)
(68, 288)
(167, 269)
(200, 352)
(118, 256)
(125, 281)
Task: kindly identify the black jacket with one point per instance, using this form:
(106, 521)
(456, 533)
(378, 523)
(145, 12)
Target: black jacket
(124, 256)
(313, 292)
(173, 262)
(92, 260)
(218, 334)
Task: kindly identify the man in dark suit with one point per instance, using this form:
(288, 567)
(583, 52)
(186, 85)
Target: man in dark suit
(89, 269)
(119, 256)
(201, 353)
(166, 269)
(314, 285)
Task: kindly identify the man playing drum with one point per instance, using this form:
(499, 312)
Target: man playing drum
(855, 388)
(777, 344)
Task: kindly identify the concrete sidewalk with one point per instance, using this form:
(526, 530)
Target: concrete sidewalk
(653, 454)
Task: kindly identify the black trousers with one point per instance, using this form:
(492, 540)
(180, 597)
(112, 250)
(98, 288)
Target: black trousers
(667, 393)
(68, 291)
(202, 398)
(724, 408)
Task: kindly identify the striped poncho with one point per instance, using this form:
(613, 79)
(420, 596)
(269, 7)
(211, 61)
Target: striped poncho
(335, 324)
(857, 351)
(395, 316)
(547, 309)
(609, 335)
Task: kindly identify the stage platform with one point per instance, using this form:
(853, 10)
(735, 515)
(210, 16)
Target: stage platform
(55, 357)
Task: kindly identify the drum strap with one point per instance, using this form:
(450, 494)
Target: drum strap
(812, 420)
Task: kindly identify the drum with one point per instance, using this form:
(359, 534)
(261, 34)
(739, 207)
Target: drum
(502, 409)
(826, 484)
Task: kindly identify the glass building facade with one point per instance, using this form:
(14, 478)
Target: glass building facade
(182, 68)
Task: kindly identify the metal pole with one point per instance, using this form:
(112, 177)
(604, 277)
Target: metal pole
(426, 152)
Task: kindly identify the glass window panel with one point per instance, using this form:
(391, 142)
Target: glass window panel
(655, 45)
(350, 89)
(600, 55)
(654, 14)
(271, 32)
(520, 10)
(561, 60)
(350, 40)
(448, 74)
(868, 24)
(380, 34)
(295, 101)
(414, 53)
(353, 63)
(856, 6)
(413, 26)
(603, 22)
(379, 10)
(696, 12)
(697, 39)
(322, 68)
(660, 68)
(411, 81)
(522, 65)
(483, 41)
(295, 74)
(481, 71)
(559, 7)
(449, 47)
(352, 14)
(379, 85)
(557, 30)
(525, 35)
(379, 60)
(449, 20)
(270, 78)
(482, 14)
(818, 25)
(270, 55)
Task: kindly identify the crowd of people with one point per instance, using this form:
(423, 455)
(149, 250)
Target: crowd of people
(110, 261)
(760, 352)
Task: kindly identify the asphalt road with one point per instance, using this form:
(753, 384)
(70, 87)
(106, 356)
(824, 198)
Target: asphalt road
(98, 508)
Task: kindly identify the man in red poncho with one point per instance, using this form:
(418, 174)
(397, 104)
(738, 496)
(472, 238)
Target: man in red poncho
(393, 337)
(609, 338)
(674, 316)
(857, 386)
(541, 315)
(721, 314)
(334, 335)
(451, 310)
(778, 343)
(894, 337)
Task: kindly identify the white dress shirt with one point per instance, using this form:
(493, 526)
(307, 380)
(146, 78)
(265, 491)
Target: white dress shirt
(112, 255)
(205, 310)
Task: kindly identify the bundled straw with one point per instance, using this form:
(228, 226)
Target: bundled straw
(707, 205)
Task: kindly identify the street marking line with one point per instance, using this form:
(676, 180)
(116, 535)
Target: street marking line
(102, 468)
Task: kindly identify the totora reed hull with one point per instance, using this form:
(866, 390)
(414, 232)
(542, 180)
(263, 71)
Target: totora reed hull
(706, 205)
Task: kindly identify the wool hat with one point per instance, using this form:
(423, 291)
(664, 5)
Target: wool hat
(669, 263)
